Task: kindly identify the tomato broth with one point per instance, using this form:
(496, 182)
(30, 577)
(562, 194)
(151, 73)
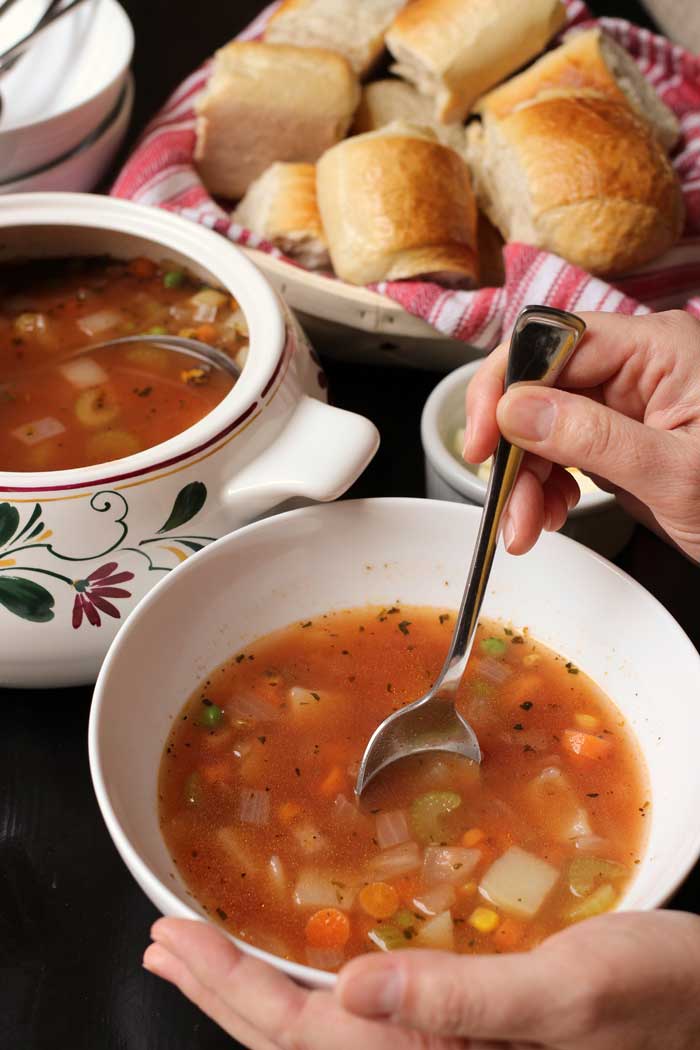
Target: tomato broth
(60, 411)
(258, 810)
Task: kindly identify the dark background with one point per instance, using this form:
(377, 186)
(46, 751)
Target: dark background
(73, 923)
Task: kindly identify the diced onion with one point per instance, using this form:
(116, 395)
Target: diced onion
(399, 860)
(439, 898)
(309, 838)
(41, 429)
(254, 807)
(242, 356)
(346, 815)
(83, 372)
(392, 828)
(449, 863)
(318, 889)
(437, 933)
(30, 324)
(250, 708)
(519, 882)
(238, 854)
(278, 879)
(324, 958)
(100, 321)
(208, 297)
(556, 806)
(204, 313)
(495, 671)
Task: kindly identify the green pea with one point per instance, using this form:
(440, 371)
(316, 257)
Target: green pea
(493, 647)
(173, 278)
(404, 919)
(157, 329)
(210, 716)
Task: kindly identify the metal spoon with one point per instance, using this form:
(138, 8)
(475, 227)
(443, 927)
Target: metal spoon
(542, 342)
(200, 351)
(9, 57)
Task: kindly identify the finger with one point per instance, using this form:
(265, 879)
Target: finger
(270, 1004)
(523, 520)
(480, 997)
(262, 996)
(483, 394)
(157, 960)
(567, 428)
(555, 504)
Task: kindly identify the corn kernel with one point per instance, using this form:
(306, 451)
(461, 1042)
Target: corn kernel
(585, 721)
(472, 836)
(531, 660)
(484, 920)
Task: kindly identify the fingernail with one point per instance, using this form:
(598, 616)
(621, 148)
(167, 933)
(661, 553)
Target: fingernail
(548, 522)
(528, 417)
(154, 958)
(376, 994)
(508, 532)
(467, 437)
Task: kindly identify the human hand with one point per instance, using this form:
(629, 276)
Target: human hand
(625, 981)
(626, 411)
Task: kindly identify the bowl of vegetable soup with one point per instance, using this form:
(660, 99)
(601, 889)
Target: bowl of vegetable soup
(224, 754)
(119, 465)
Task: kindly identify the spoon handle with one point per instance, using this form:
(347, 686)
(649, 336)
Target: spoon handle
(542, 342)
(52, 14)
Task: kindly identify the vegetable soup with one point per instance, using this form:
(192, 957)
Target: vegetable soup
(60, 411)
(258, 809)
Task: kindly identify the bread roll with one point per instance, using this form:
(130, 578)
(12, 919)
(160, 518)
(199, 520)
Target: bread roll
(268, 102)
(582, 176)
(396, 203)
(455, 50)
(281, 207)
(588, 60)
(354, 28)
(384, 101)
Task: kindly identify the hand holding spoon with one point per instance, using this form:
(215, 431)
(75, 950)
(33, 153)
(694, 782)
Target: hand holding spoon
(542, 342)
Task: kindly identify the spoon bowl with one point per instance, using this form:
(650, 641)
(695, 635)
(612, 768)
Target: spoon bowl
(542, 343)
(200, 351)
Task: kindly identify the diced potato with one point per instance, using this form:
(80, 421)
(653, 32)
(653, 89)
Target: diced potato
(519, 882)
(437, 933)
(323, 889)
(237, 853)
(209, 297)
(555, 807)
(83, 372)
(99, 323)
(310, 839)
(108, 445)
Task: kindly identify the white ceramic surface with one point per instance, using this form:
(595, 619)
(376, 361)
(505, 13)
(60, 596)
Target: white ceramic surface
(67, 534)
(597, 520)
(306, 562)
(65, 86)
(83, 168)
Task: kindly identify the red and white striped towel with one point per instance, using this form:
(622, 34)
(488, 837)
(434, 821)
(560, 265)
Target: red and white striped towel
(161, 172)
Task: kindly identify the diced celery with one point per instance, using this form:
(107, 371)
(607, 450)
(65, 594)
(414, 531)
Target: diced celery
(210, 715)
(601, 900)
(437, 933)
(388, 937)
(586, 872)
(493, 647)
(404, 919)
(193, 789)
(428, 812)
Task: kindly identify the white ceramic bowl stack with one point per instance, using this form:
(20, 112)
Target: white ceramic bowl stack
(66, 103)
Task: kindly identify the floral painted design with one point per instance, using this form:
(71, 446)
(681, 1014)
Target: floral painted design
(24, 596)
(94, 592)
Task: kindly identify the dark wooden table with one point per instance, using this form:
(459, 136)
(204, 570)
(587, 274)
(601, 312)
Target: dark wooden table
(73, 923)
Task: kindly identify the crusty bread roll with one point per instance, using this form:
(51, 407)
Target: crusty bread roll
(587, 60)
(455, 50)
(580, 175)
(268, 102)
(396, 203)
(384, 101)
(354, 28)
(281, 207)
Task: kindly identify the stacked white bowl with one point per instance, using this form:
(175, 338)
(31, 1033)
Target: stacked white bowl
(66, 103)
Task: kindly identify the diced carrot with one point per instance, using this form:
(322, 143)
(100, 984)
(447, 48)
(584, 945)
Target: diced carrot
(467, 889)
(522, 687)
(407, 887)
(472, 836)
(233, 305)
(379, 899)
(142, 268)
(508, 935)
(584, 745)
(328, 928)
(206, 333)
(218, 772)
(289, 811)
(333, 782)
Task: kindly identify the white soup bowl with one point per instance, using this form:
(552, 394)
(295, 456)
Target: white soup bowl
(306, 562)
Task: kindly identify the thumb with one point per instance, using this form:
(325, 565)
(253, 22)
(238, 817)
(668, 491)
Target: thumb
(576, 431)
(477, 997)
